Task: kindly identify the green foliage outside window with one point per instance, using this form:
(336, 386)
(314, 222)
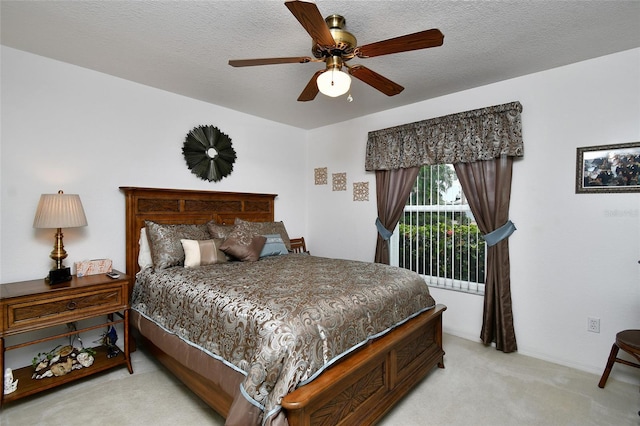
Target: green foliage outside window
(443, 250)
(431, 184)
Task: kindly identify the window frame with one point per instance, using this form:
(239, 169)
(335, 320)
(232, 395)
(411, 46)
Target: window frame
(467, 286)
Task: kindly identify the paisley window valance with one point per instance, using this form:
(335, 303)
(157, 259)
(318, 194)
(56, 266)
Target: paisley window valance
(480, 134)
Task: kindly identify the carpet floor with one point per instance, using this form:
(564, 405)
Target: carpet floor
(479, 386)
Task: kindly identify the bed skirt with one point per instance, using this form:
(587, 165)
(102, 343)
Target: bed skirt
(223, 381)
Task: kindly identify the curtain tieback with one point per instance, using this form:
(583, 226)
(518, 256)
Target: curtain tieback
(384, 232)
(497, 235)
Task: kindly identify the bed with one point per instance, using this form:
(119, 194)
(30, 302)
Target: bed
(357, 387)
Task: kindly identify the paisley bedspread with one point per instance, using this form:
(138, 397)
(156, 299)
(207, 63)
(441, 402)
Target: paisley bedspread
(282, 320)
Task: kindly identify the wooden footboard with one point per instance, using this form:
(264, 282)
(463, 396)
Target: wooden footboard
(358, 390)
(363, 387)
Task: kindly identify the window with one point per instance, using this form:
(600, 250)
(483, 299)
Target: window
(437, 236)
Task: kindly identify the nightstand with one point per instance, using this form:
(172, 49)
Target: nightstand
(34, 305)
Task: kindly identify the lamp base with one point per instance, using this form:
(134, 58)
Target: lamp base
(57, 276)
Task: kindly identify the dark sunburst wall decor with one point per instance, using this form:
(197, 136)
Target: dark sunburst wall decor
(209, 153)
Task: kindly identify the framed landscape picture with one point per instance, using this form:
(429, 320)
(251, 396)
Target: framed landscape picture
(608, 168)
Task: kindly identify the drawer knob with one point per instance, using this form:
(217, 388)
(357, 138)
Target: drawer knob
(72, 305)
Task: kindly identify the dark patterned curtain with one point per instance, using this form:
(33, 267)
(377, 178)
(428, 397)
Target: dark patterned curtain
(487, 186)
(392, 190)
(481, 145)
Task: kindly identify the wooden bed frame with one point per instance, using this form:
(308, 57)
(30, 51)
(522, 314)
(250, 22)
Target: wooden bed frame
(359, 389)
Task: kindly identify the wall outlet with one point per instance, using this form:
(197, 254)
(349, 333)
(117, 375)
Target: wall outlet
(593, 325)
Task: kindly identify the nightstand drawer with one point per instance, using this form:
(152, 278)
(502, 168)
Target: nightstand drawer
(31, 313)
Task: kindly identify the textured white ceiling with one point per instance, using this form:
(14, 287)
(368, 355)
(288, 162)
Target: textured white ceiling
(184, 46)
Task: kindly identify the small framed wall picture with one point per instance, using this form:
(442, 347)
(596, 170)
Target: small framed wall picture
(360, 191)
(320, 175)
(608, 168)
(339, 181)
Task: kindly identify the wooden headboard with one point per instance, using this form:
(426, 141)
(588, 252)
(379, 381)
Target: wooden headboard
(172, 206)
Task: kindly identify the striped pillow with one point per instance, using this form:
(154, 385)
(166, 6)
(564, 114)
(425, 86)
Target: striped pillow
(202, 252)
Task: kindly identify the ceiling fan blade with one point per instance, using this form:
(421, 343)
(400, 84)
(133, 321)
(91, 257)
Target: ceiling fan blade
(311, 89)
(415, 41)
(309, 16)
(375, 80)
(269, 61)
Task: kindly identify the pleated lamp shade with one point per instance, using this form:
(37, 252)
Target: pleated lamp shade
(59, 211)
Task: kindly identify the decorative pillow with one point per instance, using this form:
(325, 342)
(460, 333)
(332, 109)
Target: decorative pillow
(166, 249)
(219, 231)
(144, 251)
(202, 252)
(266, 228)
(243, 244)
(273, 246)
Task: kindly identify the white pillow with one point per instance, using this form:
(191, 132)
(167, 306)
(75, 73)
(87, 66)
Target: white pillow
(144, 251)
(201, 253)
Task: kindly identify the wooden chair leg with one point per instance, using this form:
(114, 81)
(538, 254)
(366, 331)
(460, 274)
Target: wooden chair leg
(610, 362)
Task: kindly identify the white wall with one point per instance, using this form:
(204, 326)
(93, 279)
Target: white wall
(573, 255)
(69, 128)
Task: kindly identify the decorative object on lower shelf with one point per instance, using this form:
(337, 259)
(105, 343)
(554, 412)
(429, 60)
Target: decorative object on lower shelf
(109, 340)
(85, 359)
(10, 385)
(61, 360)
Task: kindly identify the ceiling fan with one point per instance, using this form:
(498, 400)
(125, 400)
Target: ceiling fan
(334, 46)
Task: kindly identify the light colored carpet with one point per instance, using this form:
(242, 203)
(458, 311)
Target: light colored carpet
(479, 386)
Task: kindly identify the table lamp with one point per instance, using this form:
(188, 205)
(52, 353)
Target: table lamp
(59, 211)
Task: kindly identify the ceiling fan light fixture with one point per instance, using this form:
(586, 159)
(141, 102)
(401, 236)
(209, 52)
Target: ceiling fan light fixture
(333, 82)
